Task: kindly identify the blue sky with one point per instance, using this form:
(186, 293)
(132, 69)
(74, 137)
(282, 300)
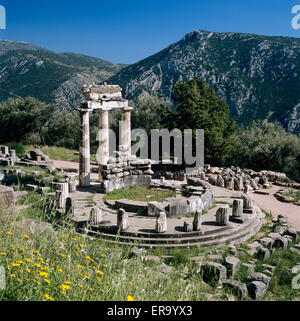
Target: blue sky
(129, 30)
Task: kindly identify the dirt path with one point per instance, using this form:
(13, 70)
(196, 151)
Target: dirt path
(64, 164)
(271, 204)
(72, 165)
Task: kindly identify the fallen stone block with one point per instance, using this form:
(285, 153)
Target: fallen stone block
(233, 266)
(249, 267)
(152, 258)
(136, 252)
(263, 253)
(294, 250)
(257, 290)
(291, 232)
(213, 273)
(281, 242)
(267, 242)
(7, 195)
(237, 288)
(215, 257)
(281, 230)
(256, 276)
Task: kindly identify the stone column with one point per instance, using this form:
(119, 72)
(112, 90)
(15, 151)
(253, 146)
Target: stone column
(126, 128)
(222, 215)
(84, 150)
(122, 220)
(197, 220)
(103, 139)
(237, 208)
(248, 203)
(161, 223)
(95, 216)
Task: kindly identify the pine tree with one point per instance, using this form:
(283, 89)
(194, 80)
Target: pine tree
(198, 107)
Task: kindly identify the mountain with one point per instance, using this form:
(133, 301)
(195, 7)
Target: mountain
(28, 70)
(258, 76)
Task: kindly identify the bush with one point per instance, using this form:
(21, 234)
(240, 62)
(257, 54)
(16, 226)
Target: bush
(267, 146)
(22, 117)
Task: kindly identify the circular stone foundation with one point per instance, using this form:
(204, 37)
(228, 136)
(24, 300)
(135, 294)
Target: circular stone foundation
(142, 230)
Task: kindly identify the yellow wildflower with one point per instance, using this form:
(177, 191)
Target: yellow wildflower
(87, 277)
(28, 270)
(103, 255)
(68, 282)
(26, 236)
(48, 297)
(47, 281)
(45, 274)
(80, 266)
(98, 279)
(15, 264)
(3, 253)
(90, 259)
(28, 260)
(10, 233)
(65, 287)
(59, 270)
(100, 272)
(130, 298)
(12, 276)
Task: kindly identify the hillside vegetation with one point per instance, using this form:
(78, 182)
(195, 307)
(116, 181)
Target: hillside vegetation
(28, 70)
(256, 75)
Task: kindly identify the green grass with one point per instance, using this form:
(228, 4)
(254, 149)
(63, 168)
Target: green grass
(58, 153)
(136, 193)
(64, 266)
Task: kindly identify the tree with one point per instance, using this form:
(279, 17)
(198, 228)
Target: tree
(264, 145)
(63, 130)
(198, 107)
(151, 113)
(21, 117)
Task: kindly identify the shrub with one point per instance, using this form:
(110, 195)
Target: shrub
(267, 146)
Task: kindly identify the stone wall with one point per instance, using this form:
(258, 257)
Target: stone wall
(198, 199)
(123, 172)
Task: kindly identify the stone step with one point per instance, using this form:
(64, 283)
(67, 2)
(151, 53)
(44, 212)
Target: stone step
(108, 231)
(218, 238)
(233, 239)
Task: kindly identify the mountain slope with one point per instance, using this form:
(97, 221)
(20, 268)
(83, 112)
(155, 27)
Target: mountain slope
(258, 76)
(28, 70)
